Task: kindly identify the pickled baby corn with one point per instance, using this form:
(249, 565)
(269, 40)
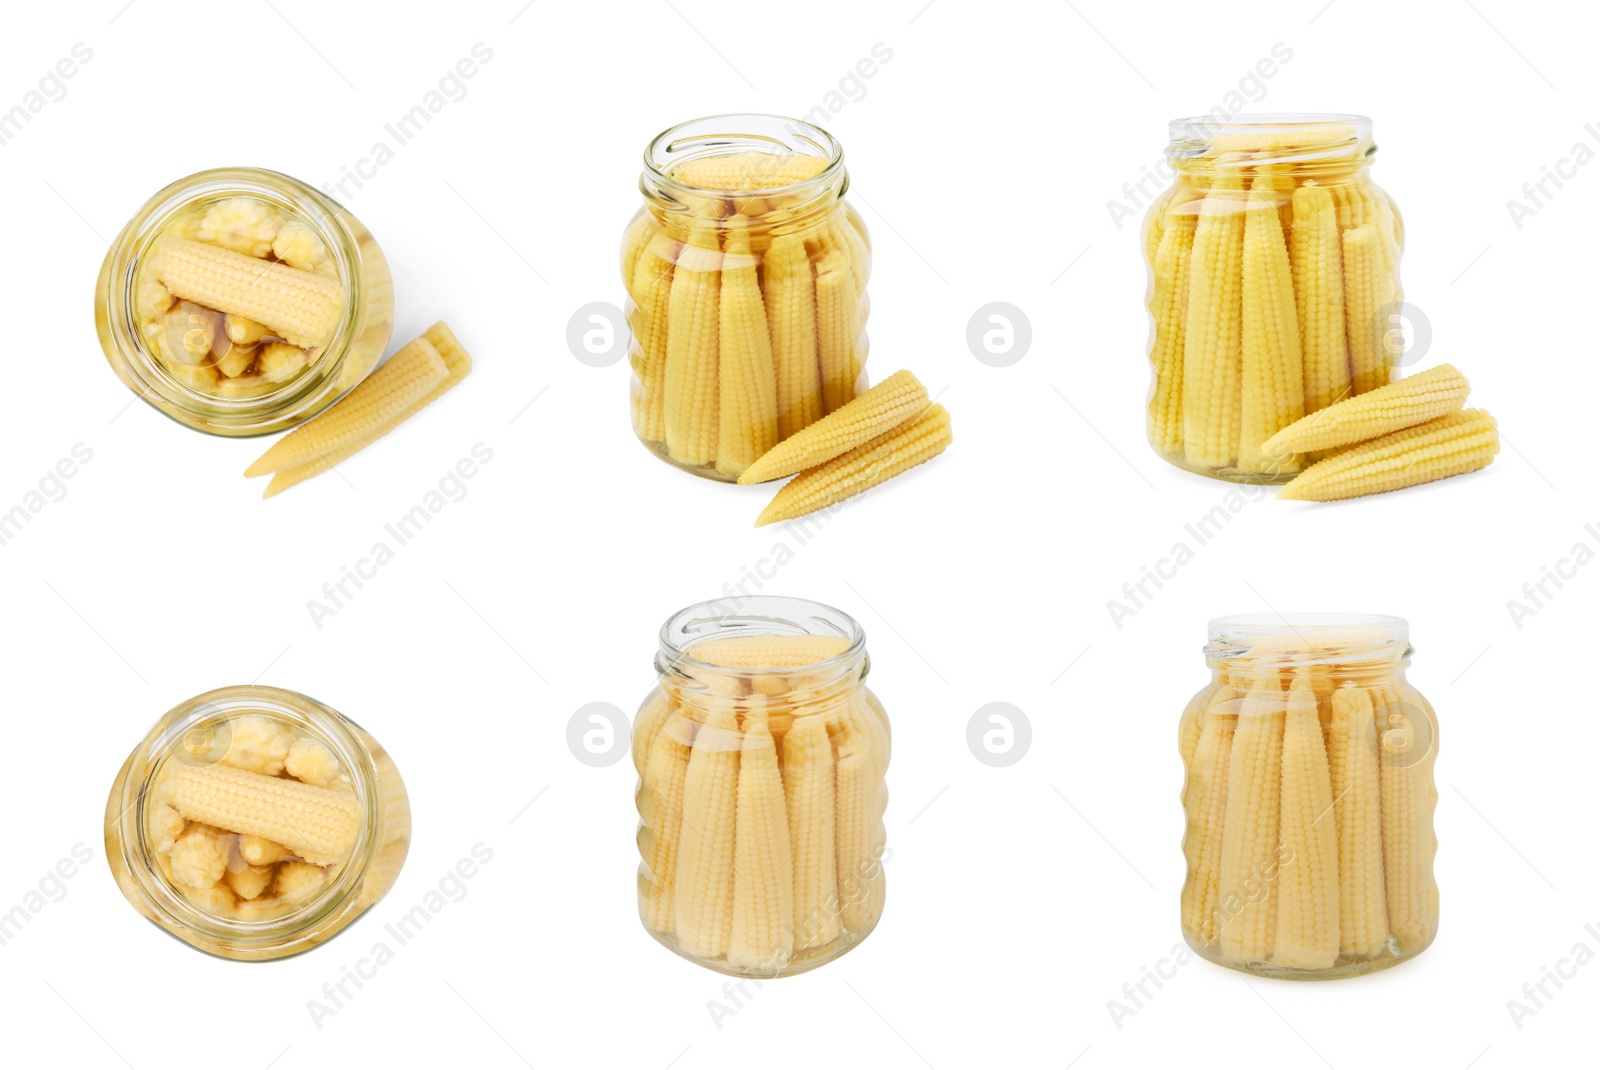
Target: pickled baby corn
(319, 825)
(873, 462)
(1248, 892)
(887, 405)
(1307, 934)
(1451, 445)
(1416, 399)
(302, 307)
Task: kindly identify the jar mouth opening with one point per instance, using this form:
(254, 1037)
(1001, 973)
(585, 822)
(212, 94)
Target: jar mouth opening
(161, 744)
(1309, 638)
(757, 615)
(725, 135)
(1251, 139)
(135, 244)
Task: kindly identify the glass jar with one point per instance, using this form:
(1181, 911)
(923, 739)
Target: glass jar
(746, 274)
(761, 756)
(1274, 286)
(1309, 798)
(256, 823)
(221, 370)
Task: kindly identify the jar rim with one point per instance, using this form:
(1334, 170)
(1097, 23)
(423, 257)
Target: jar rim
(120, 277)
(269, 935)
(1308, 638)
(758, 615)
(1229, 138)
(756, 128)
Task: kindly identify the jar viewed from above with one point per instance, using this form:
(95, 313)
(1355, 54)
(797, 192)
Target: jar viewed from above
(256, 823)
(1274, 286)
(1309, 798)
(761, 756)
(241, 302)
(746, 273)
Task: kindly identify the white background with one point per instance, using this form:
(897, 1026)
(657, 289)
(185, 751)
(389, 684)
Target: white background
(983, 155)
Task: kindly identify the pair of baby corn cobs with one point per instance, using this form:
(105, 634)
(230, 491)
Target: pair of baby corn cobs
(1310, 822)
(257, 830)
(761, 802)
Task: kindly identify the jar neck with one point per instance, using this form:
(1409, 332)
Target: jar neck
(1357, 649)
(1330, 149)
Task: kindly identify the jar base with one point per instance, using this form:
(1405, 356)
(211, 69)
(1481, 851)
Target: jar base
(704, 471)
(1231, 475)
(1344, 966)
(803, 961)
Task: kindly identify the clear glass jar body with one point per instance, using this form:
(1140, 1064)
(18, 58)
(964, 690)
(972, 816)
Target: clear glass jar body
(253, 729)
(746, 274)
(1308, 799)
(1274, 287)
(761, 756)
(197, 396)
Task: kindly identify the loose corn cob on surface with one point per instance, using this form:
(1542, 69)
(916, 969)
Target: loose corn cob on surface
(1451, 445)
(1416, 399)
(887, 405)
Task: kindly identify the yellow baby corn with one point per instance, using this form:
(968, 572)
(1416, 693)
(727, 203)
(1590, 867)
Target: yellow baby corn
(1169, 306)
(763, 862)
(704, 904)
(318, 824)
(1461, 442)
(646, 724)
(1273, 393)
(634, 242)
(457, 362)
(1249, 866)
(748, 403)
(661, 819)
(1407, 798)
(1211, 344)
(302, 307)
(690, 402)
(809, 800)
(1205, 801)
(1416, 399)
(887, 405)
(859, 814)
(837, 328)
(650, 293)
(792, 319)
(1307, 935)
(873, 462)
(1353, 766)
(1316, 263)
(1367, 291)
(414, 370)
(768, 651)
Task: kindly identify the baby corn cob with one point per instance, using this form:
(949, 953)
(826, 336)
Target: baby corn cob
(837, 329)
(634, 242)
(646, 724)
(1211, 343)
(1416, 399)
(887, 405)
(661, 820)
(1353, 766)
(650, 293)
(414, 370)
(704, 907)
(792, 319)
(768, 651)
(1169, 305)
(763, 894)
(847, 239)
(692, 350)
(1407, 797)
(1461, 442)
(808, 788)
(301, 306)
(748, 405)
(859, 814)
(1317, 266)
(1250, 826)
(1273, 392)
(318, 824)
(1206, 801)
(869, 464)
(1308, 883)
(1367, 289)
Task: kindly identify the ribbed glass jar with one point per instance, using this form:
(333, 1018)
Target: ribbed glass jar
(1308, 798)
(761, 757)
(184, 358)
(256, 823)
(1274, 286)
(746, 273)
